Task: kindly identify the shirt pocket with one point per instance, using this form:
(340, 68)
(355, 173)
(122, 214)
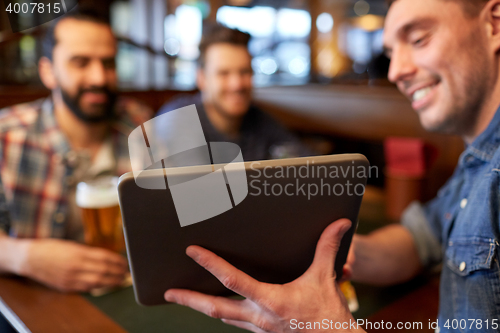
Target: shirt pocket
(467, 255)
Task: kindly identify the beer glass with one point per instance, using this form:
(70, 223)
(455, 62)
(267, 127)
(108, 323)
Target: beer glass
(101, 216)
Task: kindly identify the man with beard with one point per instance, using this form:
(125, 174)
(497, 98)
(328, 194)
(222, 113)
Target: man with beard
(224, 103)
(78, 133)
(445, 57)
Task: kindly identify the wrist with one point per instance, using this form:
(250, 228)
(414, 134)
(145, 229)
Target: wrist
(14, 255)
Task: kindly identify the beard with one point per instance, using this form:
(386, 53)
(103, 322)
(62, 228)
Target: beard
(477, 82)
(463, 118)
(467, 106)
(96, 113)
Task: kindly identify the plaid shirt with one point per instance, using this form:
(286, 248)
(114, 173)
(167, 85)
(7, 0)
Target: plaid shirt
(36, 166)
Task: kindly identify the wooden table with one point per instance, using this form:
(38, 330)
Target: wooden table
(30, 307)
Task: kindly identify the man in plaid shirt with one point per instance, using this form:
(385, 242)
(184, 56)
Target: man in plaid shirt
(46, 147)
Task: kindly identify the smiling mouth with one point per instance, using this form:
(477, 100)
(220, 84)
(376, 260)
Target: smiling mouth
(96, 97)
(423, 96)
(238, 96)
(422, 93)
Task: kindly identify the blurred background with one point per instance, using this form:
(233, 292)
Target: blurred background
(294, 42)
(319, 68)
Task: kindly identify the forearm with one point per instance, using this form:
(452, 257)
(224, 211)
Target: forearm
(13, 253)
(386, 256)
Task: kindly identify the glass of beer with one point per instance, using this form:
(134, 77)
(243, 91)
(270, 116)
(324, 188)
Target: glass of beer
(101, 216)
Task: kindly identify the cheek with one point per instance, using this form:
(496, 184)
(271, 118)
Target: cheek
(248, 82)
(438, 64)
(458, 74)
(219, 87)
(69, 80)
(431, 60)
(112, 79)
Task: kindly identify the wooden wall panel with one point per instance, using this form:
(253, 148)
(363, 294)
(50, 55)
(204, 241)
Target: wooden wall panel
(360, 113)
(354, 112)
(154, 99)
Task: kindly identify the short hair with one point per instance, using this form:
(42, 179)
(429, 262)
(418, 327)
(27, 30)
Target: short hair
(79, 13)
(220, 34)
(471, 7)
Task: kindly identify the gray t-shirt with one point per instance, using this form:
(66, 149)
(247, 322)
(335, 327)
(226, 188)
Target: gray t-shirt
(261, 137)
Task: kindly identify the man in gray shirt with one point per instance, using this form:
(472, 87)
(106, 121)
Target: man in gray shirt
(224, 103)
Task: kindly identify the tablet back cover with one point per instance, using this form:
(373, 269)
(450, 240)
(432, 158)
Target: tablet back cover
(270, 235)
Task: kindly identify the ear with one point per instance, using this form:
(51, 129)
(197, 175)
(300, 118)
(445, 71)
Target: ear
(46, 72)
(491, 12)
(200, 79)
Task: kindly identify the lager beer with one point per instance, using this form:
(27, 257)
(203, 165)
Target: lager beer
(101, 217)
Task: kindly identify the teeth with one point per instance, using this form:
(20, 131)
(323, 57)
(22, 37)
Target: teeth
(419, 94)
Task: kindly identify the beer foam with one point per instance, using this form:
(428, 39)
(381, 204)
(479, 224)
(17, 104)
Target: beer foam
(99, 193)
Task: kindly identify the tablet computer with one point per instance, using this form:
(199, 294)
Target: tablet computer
(276, 213)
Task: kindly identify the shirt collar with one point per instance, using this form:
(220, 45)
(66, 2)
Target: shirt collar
(49, 126)
(104, 162)
(485, 145)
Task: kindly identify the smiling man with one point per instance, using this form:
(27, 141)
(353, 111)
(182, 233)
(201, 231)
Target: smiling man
(78, 133)
(224, 104)
(445, 57)
(449, 81)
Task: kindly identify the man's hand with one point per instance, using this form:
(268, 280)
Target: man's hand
(313, 297)
(68, 266)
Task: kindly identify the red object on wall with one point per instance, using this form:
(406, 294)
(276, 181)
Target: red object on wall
(407, 163)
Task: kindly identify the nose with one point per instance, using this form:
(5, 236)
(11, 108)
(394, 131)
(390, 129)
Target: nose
(96, 75)
(238, 81)
(402, 66)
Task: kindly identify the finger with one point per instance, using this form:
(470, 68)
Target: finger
(88, 281)
(103, 268)
(75, 285)
(231, 277)
(244, 325)
(327, 248)
(106, 256)
(213, 306)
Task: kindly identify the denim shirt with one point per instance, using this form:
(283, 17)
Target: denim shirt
(459, 228)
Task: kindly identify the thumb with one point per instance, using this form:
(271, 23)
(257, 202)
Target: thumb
(327, 249)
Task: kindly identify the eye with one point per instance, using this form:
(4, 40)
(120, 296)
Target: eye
(109, 63)
(247, 71)
(223, 73)
(419, 40)
(80, 62)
